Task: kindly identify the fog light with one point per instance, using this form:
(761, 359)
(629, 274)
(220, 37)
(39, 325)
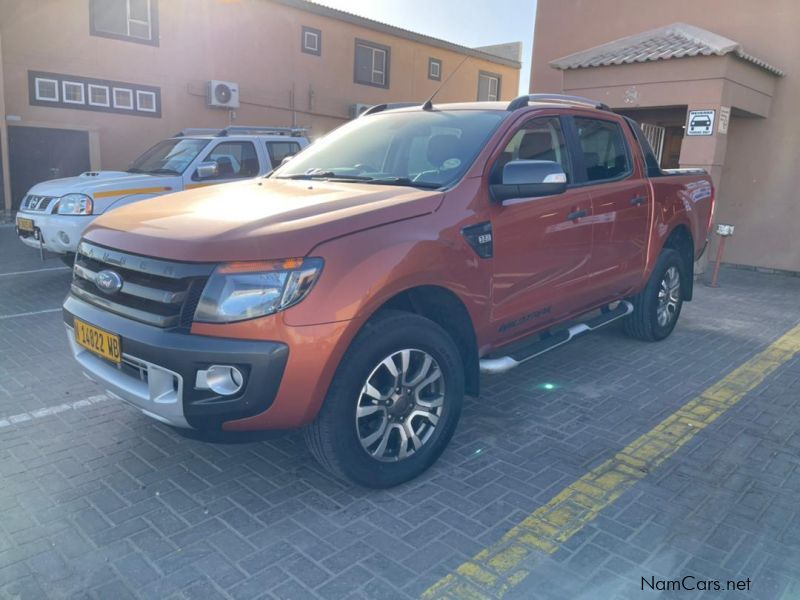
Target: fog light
(63, 237)
(220, 379)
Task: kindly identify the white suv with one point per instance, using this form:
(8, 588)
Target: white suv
(54, 214)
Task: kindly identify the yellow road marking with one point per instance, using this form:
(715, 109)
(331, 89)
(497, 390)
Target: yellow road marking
(128, 192)
(192, 186)
(494, 571)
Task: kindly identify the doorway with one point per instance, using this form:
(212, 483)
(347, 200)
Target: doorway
(40, 153)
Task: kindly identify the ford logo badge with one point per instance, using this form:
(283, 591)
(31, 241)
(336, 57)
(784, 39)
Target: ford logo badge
(108, 282)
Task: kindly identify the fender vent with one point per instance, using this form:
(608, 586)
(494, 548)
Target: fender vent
(479, 237)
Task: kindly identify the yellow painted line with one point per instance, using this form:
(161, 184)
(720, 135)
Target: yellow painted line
(128, 192)
(494, 571)
(191, 186)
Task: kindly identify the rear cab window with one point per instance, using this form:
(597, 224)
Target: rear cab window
(277, 151)
(603, 149)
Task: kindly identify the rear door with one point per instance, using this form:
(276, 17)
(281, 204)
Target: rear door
(542, 245)
(620, 206)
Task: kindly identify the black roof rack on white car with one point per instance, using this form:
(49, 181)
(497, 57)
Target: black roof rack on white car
(523, 101)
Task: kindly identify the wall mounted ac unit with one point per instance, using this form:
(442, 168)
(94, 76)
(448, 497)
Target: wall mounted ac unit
(223, 94)
(357, 109)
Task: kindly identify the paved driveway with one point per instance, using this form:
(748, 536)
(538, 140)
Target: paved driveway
(603, 468)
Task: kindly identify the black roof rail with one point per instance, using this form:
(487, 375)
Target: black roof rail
(387, 106)
(523, 101)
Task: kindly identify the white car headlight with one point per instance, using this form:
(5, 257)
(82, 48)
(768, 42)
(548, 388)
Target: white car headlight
(75, 204)
(246, 290)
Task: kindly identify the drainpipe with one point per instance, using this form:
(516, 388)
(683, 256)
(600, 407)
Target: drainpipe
(4, 165)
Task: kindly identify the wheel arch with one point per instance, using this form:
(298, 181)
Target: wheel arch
(681, 240)
(446, 309)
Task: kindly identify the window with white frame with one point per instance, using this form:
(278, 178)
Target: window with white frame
(132, 20)
(372, 64)
(312, 41)
(72, 92)
(488, 86)
(434, 69)
(46, 89)
(123, 98)
(58, 90)
(99, 95)
(145, 101)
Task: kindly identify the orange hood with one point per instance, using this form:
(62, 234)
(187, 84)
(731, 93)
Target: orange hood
(255, 219)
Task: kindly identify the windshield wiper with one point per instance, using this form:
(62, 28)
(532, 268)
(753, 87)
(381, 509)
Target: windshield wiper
(326, 175)
(161, 172)
(405, 181)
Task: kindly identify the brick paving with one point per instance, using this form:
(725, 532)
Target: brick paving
(98, 501)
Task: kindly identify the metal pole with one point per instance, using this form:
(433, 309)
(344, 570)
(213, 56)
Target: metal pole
(720, 250)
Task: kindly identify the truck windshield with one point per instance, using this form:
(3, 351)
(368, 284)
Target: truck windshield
(428, 149)
(168, 157)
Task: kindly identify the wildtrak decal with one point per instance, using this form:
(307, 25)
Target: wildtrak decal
(524, 319)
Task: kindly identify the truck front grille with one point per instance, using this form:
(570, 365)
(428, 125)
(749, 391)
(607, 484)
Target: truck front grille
(35, 203)
(153, 291)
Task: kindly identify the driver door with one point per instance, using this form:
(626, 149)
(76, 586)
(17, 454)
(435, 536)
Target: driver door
(542, 245)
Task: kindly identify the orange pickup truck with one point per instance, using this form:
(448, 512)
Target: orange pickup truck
(360, 289)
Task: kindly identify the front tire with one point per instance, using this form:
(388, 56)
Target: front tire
(657, 307)
(394, 402)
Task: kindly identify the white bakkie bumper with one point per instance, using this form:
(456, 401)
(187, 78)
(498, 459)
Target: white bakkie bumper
(60, 233)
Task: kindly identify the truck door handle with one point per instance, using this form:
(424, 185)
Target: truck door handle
(577, 214)
(638, 200)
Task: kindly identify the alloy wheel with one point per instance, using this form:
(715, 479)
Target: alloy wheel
(669, 295)
(400, 404)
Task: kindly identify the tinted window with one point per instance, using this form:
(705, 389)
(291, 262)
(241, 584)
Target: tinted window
(280, 150)
(488, 87)
(603, 146)
(539, 139)
(234, 160)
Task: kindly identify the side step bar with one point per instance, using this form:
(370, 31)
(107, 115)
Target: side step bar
(502, 364)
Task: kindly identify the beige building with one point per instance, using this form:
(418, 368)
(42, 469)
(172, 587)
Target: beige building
(716, 84)
(92, 83)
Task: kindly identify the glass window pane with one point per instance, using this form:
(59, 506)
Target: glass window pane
(110, 16)
(140, 10)
(539, 139)
(234, 159)
(139, 30)
(603, 148)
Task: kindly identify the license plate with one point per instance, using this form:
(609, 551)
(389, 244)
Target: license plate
(25, 224)
(102, 343)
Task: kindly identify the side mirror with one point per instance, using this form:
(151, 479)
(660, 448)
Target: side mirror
(529, 178)
(207, 170)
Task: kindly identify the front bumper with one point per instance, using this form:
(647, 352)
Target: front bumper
(159, 369)
(59, 233)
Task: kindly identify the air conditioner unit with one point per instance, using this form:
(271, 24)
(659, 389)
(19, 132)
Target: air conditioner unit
(223, 94)
(357, 109)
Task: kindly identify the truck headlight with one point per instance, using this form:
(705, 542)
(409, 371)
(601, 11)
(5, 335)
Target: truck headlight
(75, 204)
(246, 290)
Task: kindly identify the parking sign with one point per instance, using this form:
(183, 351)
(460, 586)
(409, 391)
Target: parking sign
(701, 122)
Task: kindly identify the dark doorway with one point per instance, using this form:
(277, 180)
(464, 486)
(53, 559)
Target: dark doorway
(40, 153)
(671, 154)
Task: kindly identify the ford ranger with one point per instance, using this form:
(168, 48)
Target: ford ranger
(360, 289)
(54, 214)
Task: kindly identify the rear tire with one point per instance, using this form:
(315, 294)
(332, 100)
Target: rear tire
(657, 307)
(377, 428)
